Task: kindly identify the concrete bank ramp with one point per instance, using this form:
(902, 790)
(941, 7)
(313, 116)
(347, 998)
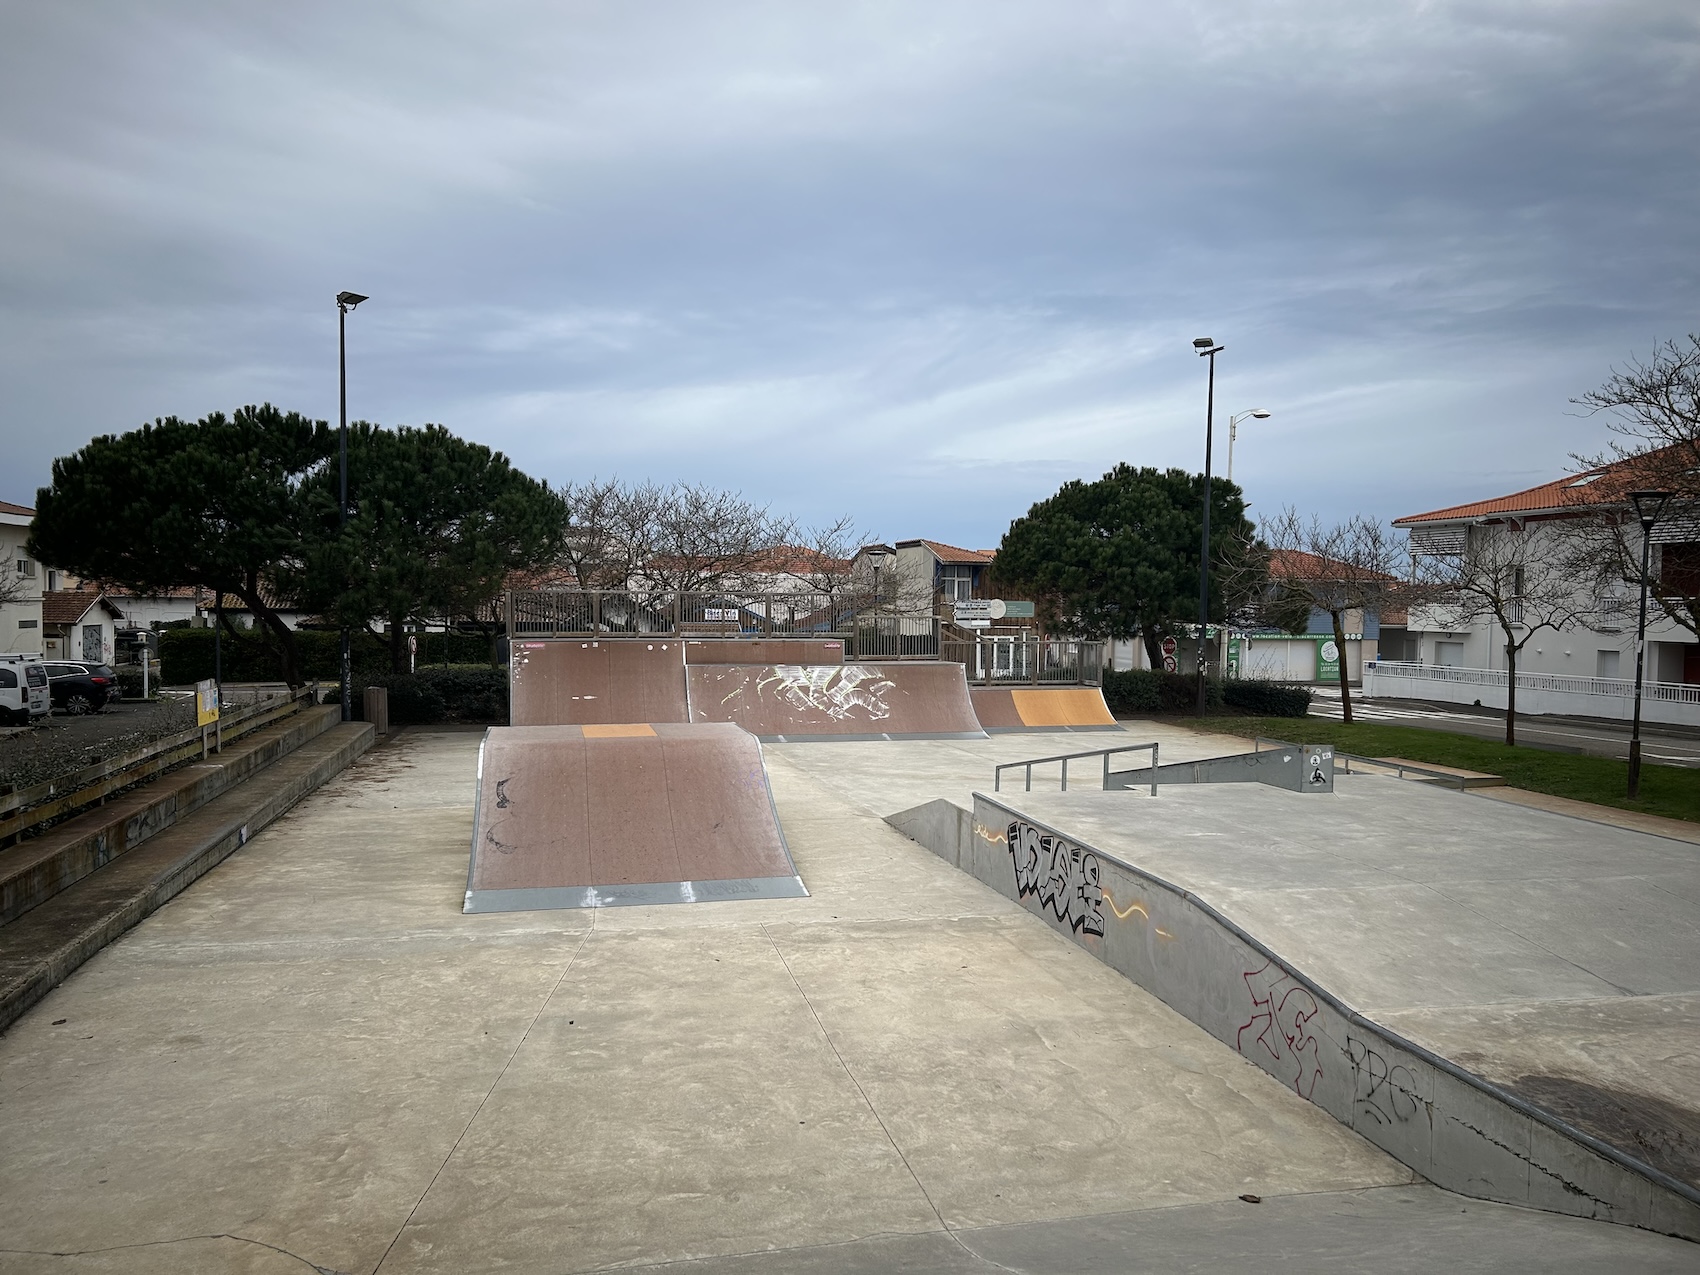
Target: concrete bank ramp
(796, 702)
(610, 815)
(1002, 709)
(583, 681)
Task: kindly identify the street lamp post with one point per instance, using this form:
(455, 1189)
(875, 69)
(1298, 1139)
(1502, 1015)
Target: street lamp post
(1207, 349)
(345, 301)
(1648, 506)
(1256, 413)
(876, 556)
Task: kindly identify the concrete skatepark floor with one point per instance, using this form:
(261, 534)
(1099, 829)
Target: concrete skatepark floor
(313, 1060)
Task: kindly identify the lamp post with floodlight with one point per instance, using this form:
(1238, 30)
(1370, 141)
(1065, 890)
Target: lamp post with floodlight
(345, 301)
(1256, 413)
(1648, 506)
(1207, 349)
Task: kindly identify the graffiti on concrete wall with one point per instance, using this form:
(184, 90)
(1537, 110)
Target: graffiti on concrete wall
(1280, 1036)
(1063, 877)
(1381, 1093)
(838, 691)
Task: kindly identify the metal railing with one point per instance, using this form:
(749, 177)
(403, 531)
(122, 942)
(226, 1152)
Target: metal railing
(1013, 661)
(1623, 687)
(1065, 758)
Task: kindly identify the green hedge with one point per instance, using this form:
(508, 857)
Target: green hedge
(1267, 699)
(459, 693)
(1148, 691)
(186, 655)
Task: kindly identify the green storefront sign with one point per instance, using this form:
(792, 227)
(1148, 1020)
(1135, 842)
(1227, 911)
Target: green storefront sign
(1327, 660)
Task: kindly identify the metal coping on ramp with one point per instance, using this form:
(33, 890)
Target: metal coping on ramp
(622, 815)
(1012, 709)
(764, 651)
(796, 703)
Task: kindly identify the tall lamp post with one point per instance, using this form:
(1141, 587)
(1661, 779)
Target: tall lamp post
(1648, 506)
(345, 301)
(877, 556)
(1256, 413)
(1207, 349)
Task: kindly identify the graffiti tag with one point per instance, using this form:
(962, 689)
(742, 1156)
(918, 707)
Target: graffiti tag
(837, 690)
(1282, 1011)
(1064, 878)
(1382, 1093)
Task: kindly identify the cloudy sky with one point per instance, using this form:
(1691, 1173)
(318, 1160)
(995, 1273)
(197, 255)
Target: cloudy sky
(918, 261)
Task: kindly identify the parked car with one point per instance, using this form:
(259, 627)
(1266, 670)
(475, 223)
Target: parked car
(24, 695)
(81, 687)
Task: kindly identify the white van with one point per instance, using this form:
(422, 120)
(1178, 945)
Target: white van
(23, 689)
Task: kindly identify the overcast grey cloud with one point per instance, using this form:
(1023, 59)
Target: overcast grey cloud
(919, 262)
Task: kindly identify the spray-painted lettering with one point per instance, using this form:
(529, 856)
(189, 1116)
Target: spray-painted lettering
(1064, 878)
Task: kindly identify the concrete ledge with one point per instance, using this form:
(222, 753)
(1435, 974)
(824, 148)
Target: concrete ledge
(1453, 1127)
(37, 869)
(41, 948)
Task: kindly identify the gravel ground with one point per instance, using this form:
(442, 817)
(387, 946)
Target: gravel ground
(61, 745)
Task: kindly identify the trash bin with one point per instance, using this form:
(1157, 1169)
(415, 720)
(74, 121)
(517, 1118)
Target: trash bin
(377, 708)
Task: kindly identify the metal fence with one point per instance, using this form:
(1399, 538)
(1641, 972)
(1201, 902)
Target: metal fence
(1014, 661)
(612, 613)
(1672, 692)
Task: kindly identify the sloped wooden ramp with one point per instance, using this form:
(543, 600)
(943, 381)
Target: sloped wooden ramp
(614, 815)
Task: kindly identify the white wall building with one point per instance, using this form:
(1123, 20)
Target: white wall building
(1592, 654)
(20, 620)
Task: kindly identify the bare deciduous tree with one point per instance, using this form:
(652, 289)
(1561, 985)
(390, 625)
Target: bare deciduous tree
(1516, 575)
(1355, 565)
(1654, 410)
(13, 587)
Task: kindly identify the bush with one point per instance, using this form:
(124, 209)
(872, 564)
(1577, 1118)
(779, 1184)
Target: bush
(1267, 699)
(1152, 691)
(186, 655)
(459, 693)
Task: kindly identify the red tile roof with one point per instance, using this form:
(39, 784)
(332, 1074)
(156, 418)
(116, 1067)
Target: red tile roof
(67, 606)
(1296, 564)
(953, 556)
(7, 507)
(1604, 485)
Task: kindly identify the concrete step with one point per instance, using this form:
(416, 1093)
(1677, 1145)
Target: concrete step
(35, 870)
(42, 947)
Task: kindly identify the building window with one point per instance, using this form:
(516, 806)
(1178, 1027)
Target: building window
(26, 567)
(1606, 663)
(956, 583)
(52, 581)
(29, 624)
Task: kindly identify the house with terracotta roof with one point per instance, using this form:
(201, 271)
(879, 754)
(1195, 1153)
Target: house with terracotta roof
(22, 580)
(79, 625)
(1600, 643)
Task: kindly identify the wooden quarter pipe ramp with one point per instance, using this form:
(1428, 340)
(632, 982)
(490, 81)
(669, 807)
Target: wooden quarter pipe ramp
(1000, 709)
(617, 815)
(793, 702)
(574, 682)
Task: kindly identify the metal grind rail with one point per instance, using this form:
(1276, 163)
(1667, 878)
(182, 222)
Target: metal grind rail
(1065, 758)
(1398, 767)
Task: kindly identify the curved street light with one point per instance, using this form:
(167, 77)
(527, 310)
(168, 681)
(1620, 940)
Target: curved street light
(345, 301)
(1256, 413)
(1207, 349)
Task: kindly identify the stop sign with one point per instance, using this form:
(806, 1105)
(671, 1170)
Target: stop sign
(1168, 646)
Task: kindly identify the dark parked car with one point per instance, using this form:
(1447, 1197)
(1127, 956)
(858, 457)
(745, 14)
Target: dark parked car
(80, 687)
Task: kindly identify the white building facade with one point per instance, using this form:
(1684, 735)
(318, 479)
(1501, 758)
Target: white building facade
(22, 580)
(1586, 666)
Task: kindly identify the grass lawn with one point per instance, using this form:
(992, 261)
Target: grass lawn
(1672, 791)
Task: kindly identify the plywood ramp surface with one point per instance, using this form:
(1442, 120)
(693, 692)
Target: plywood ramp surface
(1000, 708)
(764, 651)
(579, 681)
(611, 814)
(793, 701)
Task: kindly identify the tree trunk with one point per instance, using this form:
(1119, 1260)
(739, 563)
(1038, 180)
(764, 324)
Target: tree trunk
(285, 635)
(1510, 691)
(1345, 669)
(1153, 644)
